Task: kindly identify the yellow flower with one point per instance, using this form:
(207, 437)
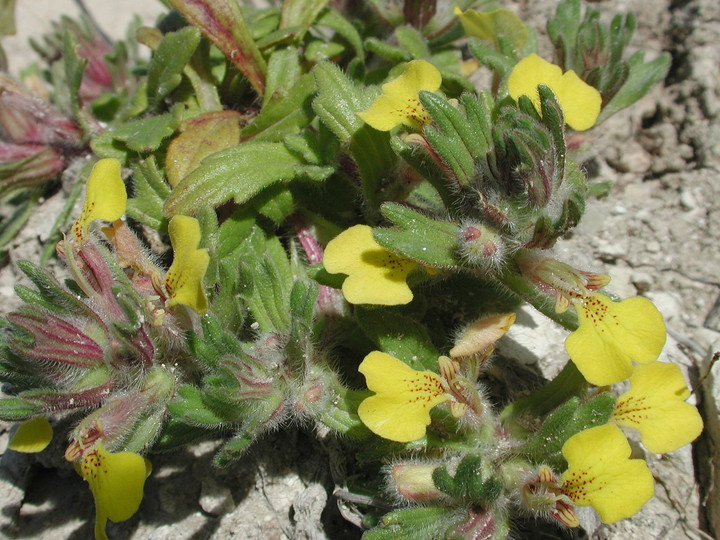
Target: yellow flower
(399, 103)
(655, 406)
(105, 197)
(488, 25)
(116, 482)
(613, 335)
(184, 278)
(400, 409)
(600, 474)
(31, 436)
(375, 275)
(579, 101)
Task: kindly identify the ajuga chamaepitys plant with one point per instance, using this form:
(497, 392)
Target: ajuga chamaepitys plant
(338, 200)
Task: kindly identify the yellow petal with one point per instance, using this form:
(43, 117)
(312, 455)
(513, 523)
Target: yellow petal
(600, 474)
(399, 102)
(418, 75)
(184, 278)
(375, 275)
(655, 406)
(105, 196)
(116, 482)
(612, 335)
(488, 25)
(400, 410)
(32, 436)
(386, 112)
(579, 101)
(530, 72)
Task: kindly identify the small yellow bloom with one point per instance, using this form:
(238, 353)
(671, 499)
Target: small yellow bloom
(399, 102)
(184, 278)
(613, 335)
(579, 101)
(400, 409)
(105, 197)
(488, 25)
(655, 406)
(600, 474)
(116, 482)
(32, 436)
(375, 275)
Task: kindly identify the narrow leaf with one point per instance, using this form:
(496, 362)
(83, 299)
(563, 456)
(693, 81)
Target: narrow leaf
(239, 172)
(168, 61)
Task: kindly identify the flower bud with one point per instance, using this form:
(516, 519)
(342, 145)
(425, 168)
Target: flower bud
(27, 165)
(28, 119)
(559, 279)
(482, 247)
(414, 482)
(481, 335)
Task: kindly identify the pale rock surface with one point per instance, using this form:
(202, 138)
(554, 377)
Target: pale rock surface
(657, 234)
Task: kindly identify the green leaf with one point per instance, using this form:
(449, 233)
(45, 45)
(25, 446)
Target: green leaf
(234, 448)
(458, 139)
(390, 53)
(301, 14)
(319, 51)
(446, 483)
(283, 72)
(13, 223)
(270, 297)
(142, 135)
(263, 22)
(74, 67)
(144, 430)
(200, 73)
(398, 335)
(15, 409)
(491, 58)
(564, 26)
(337, 104)
(176, 434)
(286, 112)
(375, 160)
(344, 28)
(267, 280)
(149, 193)
(570, 418)
(239, 172)
(275, 203)
(50, 294)
(338, 101)
(190, 408)
(302, 302)
(416, 524)
(418, 237)
(168, 62)
(412, 41)
(643, 75)
(214, 342)
(234, 231)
